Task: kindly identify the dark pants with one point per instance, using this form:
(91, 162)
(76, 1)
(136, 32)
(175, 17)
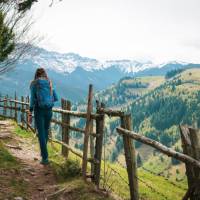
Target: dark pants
(42, 122)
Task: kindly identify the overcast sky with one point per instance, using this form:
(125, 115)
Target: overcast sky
(159, 30)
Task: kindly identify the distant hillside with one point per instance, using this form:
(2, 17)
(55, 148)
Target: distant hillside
(156, 113)
(128, 89)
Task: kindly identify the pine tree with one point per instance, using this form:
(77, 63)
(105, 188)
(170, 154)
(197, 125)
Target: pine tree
(139, 160)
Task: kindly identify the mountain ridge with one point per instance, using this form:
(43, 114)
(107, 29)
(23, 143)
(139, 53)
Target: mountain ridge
(72, 73)
(70, 61)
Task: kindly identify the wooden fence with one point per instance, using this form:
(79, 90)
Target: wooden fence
(17, 109)
(190, 156)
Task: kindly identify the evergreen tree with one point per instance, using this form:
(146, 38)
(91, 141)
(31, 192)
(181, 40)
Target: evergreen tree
(139, 160)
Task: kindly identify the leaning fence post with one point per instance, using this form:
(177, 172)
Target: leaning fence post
(98, 145)
(15, 107)
(87, 132)
(130, 157)
(66, 105)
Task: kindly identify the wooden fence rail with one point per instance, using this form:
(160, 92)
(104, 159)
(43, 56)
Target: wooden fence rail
(162, 148)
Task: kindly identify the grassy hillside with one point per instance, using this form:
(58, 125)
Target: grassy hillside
(128, 89)
(156, 113)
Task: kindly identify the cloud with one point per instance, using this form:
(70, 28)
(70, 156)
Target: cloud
(192, 43)
(160, 29)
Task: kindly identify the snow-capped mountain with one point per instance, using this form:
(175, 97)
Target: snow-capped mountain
(67, 63)
(72, 73)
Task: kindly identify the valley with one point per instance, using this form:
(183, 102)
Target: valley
(157, 111)
(159, 99)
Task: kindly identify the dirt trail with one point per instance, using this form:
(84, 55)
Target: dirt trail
(40, 179)
(31, 180)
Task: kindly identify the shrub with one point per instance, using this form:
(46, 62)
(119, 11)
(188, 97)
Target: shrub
(71, 168)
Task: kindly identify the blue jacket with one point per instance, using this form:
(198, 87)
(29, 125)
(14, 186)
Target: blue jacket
(33, 98)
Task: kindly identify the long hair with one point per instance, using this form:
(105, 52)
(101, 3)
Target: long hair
(40, 73)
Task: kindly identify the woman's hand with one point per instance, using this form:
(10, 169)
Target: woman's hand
(30, 117)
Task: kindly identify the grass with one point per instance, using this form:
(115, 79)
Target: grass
(81, 191)
(7, 161)
(153, 81)
(161, 187)
(64, 169)
(158, 163)
(22, 133)
(11, 184)
(151, 187)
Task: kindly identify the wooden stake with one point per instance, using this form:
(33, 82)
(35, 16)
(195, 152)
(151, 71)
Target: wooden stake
(27, 108)
(87, 132)
(191, 146)
(11, 110)
(66, 105)
(130, 157)
(5, 105)
(195, 141)
(98, 145)
(187, 149)
(22, 112)
(92, 147)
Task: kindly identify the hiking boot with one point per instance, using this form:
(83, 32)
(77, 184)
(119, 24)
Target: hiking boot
(44, 162)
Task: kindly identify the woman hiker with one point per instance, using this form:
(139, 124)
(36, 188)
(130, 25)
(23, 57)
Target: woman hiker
(42, 100)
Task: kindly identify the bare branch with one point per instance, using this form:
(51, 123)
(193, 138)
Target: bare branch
(19, 24)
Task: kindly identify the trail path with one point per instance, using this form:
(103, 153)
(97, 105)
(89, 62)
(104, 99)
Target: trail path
(31, 180)
(39, 178)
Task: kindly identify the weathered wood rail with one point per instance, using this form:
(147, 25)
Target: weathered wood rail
(93, 135)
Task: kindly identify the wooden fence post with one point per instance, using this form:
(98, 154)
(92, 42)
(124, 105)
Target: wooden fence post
(27, 108)
(130, 157)
(5, 105)
(98, 145)
(16, 107)
(87, 133)
(191, 146)
(22, 111)
(92, 148)
(66, 105)
(11, 109)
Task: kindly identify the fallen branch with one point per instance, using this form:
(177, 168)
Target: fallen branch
(67, 146)
(13, 147)
(56, 194)
(169, 152)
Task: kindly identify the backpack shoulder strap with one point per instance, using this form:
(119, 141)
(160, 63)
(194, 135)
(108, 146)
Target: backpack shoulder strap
(51, 87)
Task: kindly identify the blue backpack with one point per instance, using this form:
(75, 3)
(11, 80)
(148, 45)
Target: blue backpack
(44, 93)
